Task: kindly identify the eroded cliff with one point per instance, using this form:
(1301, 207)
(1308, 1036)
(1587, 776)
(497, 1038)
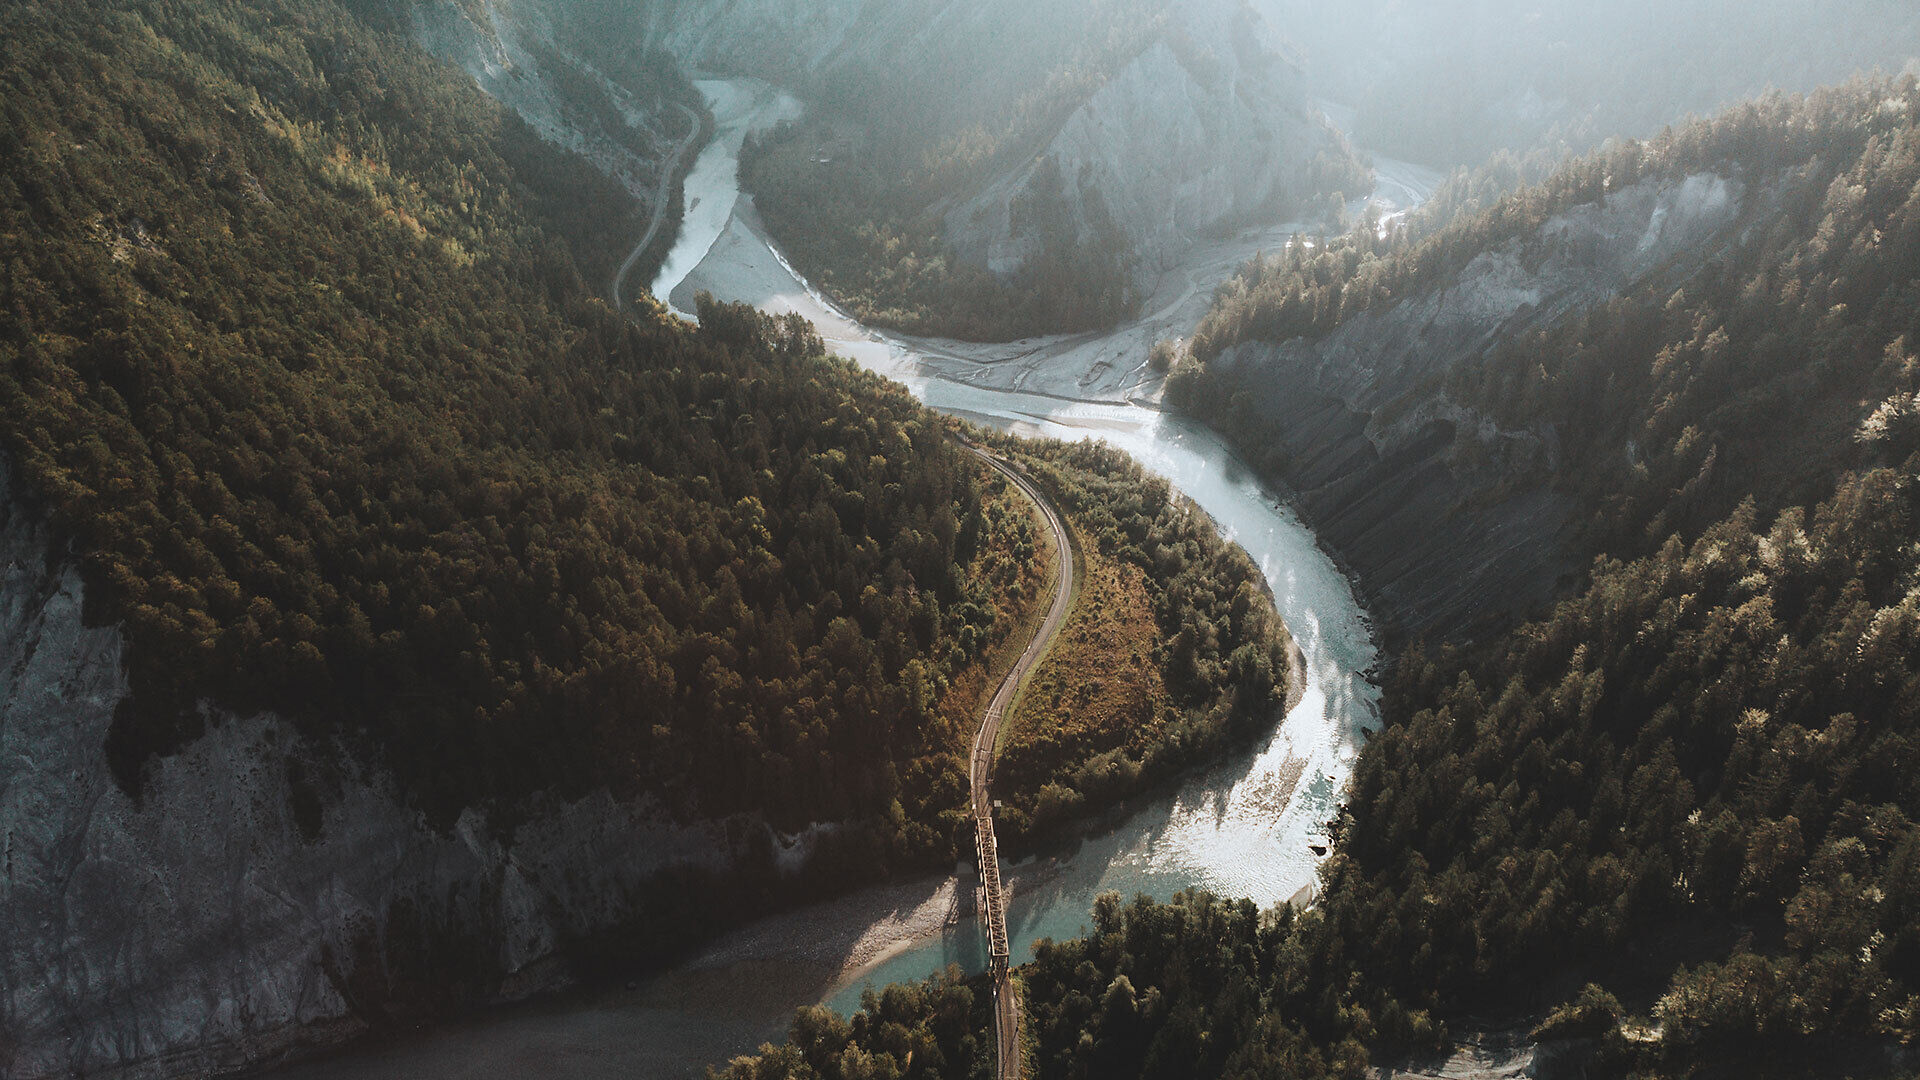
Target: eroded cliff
(1166, 121)
(1446, 515)
(1206, 130)
(516, 53)
(266, 895)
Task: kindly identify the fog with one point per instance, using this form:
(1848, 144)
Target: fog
(1447, 82)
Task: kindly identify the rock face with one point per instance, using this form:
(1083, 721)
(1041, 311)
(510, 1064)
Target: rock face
(1205, 129)
(202, 929)
(511, 49)
(1204, 132)
(782, 41)
(1445, 516)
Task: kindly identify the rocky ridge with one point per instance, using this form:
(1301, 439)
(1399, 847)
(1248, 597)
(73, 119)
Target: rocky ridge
(512, 49)
(1207, 130)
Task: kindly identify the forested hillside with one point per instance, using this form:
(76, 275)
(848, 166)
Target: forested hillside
(1734, 372)
(1172, 654)
(499, 637)
(337, 428)
(623, 107)
(1720, 726)
(302, 359)
(1717, 730)
(1691, 783)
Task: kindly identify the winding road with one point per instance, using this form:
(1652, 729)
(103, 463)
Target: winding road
(1006, 1009)
(668, 173)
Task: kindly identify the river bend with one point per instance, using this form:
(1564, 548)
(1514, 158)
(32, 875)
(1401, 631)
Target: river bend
(1247, 826)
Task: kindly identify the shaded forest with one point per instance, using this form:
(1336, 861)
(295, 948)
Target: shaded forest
(1735, 372)
(1718, 729)
(302, 358)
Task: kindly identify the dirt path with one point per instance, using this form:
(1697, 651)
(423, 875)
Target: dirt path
(668, 173)
(1006, 1010)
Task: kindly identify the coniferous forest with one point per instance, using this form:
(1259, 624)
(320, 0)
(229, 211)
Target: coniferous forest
(1711, 740)
(1671, 821)
(339, 429)
(304, 364)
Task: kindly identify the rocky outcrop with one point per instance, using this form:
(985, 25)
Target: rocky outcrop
(1205, 131)
(511, 48)
(209, 926)
(1446, 516)
(783, 41)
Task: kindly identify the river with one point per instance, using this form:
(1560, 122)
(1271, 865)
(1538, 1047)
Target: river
(1245, 827)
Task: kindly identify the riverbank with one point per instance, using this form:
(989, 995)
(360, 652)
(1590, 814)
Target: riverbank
(672, 183)
(731, 996)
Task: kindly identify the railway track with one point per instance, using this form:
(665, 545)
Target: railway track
(993, 907)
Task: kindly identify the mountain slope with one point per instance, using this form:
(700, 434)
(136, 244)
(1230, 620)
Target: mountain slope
(390, 624)
(1403, 385)
(988, 170)
(1691, 780)
(627, 109)
(340, 427)
(362, 559)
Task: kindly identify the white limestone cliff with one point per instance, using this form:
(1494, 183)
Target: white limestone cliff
(1207, 129)
(510, 48)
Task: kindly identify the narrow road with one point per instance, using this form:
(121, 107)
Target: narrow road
(660, 197)
(1006, 1009)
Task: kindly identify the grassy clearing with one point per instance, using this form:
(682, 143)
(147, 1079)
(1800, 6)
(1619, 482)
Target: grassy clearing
(1171, 654)
(1017, 564)
(1040, 612)
(1095, 702)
